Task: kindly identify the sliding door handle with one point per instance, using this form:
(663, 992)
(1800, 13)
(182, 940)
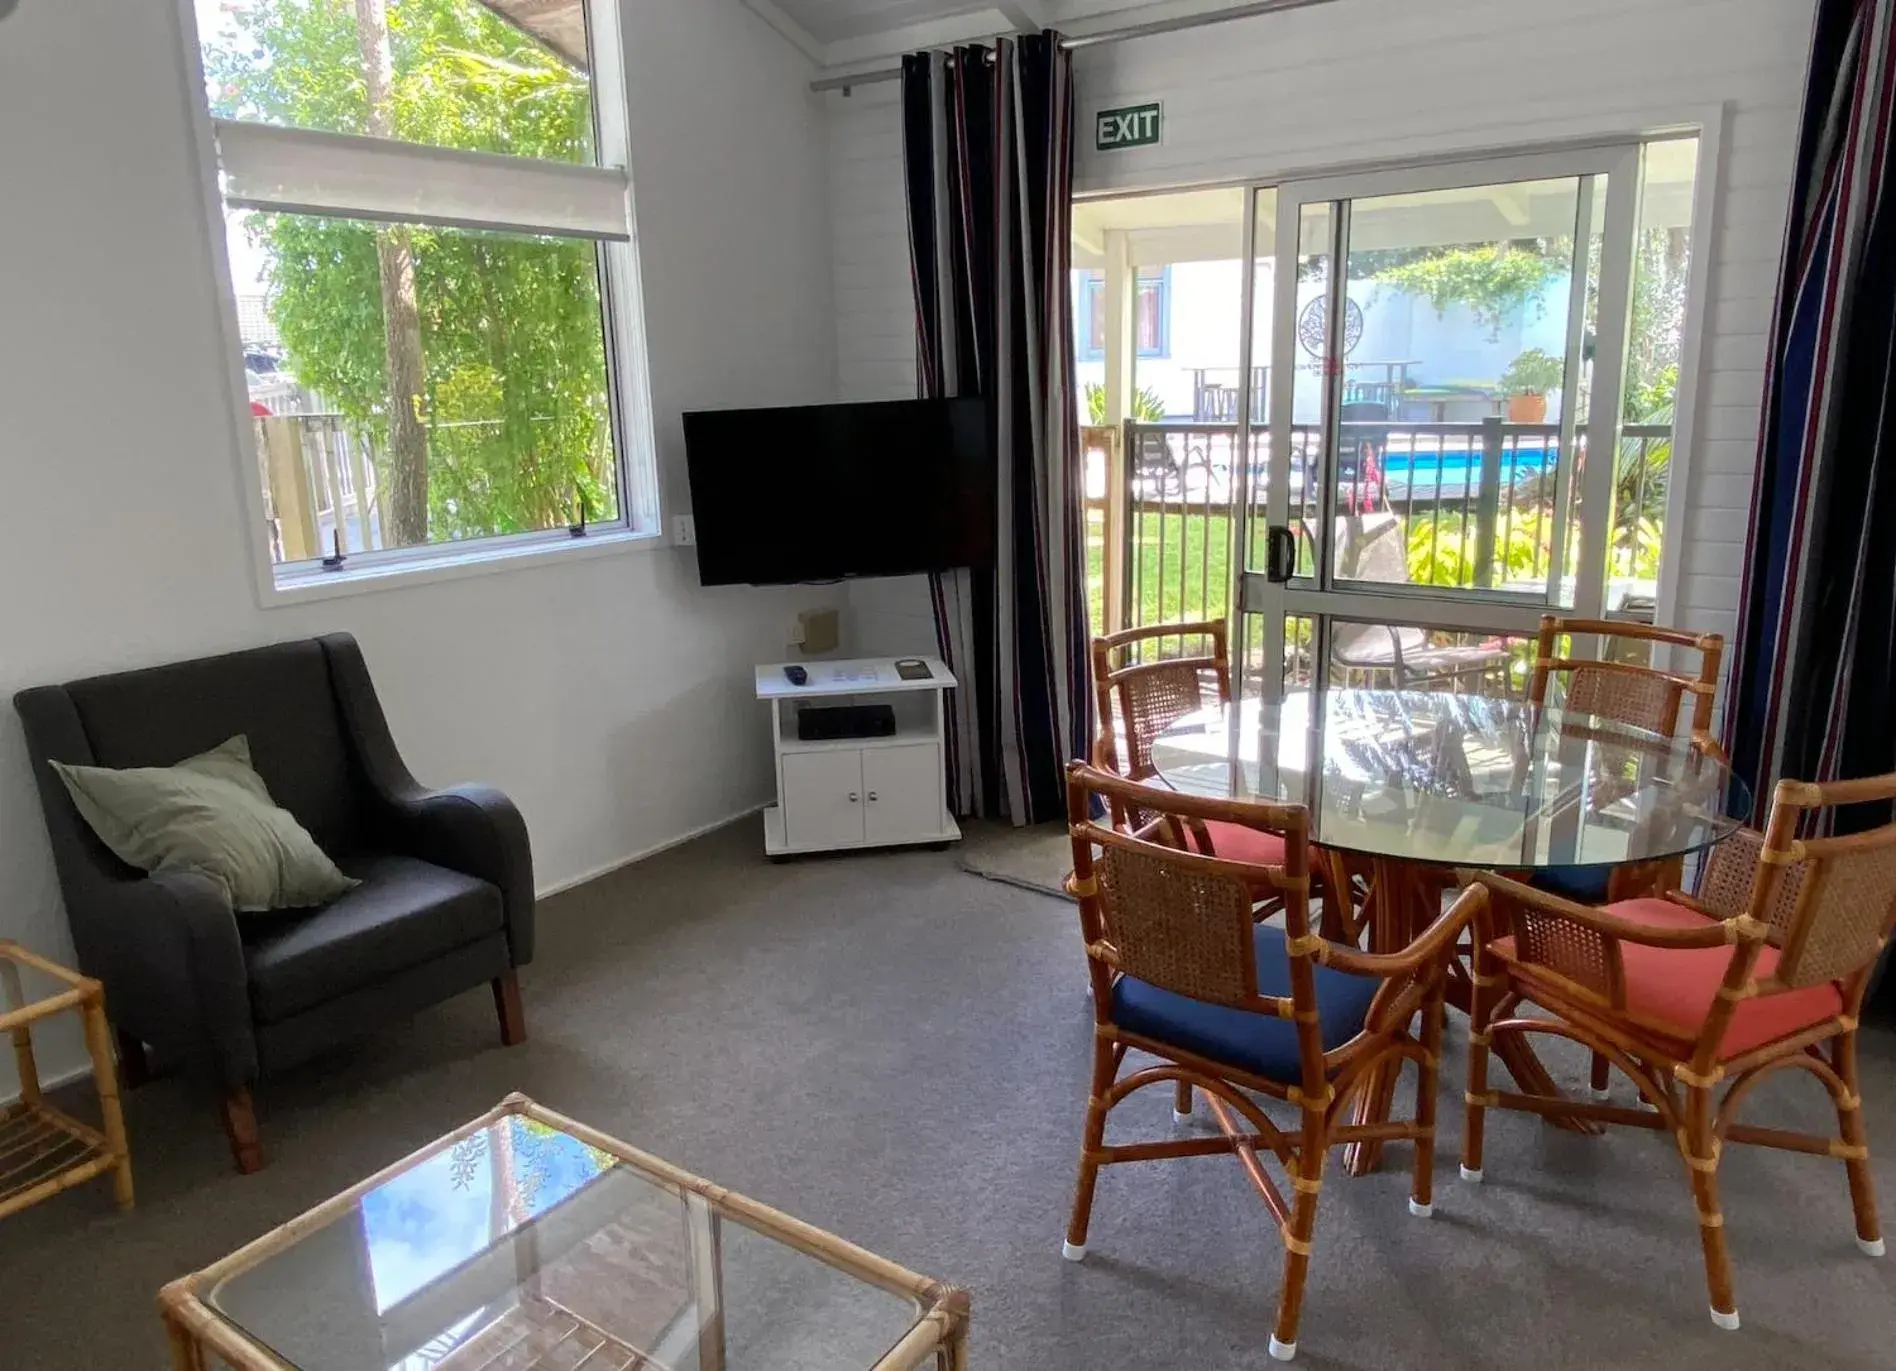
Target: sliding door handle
(1280, 554)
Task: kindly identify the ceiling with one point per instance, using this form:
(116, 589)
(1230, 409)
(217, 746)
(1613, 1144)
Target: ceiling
(842, 35)
(836, 21)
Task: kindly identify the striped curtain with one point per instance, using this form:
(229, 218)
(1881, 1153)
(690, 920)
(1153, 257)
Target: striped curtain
(988, 143)
(1815, 661)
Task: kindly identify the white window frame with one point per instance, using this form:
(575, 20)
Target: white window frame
(266, 167)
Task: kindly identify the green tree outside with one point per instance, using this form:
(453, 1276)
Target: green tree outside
(513, 405)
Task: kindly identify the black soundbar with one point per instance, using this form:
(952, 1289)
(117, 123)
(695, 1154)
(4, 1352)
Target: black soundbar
(830, 722)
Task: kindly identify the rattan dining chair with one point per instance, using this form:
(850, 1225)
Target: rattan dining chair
(1764, 971)
(1233, 1007)
(1145, 693)
(1646, 696)
(1643, 696)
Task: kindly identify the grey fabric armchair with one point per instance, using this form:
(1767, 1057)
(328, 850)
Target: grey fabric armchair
(446, 900)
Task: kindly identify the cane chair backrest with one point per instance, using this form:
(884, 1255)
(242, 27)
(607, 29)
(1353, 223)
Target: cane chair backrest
(1149, 691)
(1829, 902)
(1176, 919)
(1641, 696)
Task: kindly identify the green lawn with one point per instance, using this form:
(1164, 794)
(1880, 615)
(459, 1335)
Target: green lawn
(1185, 580)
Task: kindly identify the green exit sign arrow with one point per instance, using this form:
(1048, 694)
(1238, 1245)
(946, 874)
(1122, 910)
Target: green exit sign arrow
(1130, 126)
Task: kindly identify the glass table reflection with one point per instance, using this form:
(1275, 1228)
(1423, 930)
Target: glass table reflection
(1460, 780)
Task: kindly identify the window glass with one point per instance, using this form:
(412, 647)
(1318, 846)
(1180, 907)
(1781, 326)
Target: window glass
(1150, 316)
(503, 76)
(468, 400)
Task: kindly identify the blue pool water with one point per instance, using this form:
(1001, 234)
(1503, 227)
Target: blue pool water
(1419, 468)
(1455, 473)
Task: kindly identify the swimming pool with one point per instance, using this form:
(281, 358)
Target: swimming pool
(1452, 473)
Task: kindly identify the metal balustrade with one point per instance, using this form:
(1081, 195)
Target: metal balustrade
(1476, 503)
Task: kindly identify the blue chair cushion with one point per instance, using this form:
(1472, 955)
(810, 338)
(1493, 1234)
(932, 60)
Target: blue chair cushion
(1581, 884)
(1259, 1043)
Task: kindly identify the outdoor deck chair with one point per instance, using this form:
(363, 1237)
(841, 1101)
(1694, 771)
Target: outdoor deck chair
(1372, 547)
(1235, 1008)
(1766, 970)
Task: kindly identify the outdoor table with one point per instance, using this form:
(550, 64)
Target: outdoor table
(1405, 787)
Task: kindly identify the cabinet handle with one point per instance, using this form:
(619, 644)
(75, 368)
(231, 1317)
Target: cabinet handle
(852, 797)
(872, 797)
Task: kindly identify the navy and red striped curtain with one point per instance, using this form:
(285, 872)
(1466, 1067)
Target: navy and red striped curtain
(988, 150)
(1814, 668)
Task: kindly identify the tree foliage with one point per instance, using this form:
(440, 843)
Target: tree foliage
(1147, 407)
(1495, 280)
(516, 396)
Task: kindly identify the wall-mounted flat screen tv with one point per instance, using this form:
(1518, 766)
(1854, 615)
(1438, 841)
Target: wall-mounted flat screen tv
(824, 492)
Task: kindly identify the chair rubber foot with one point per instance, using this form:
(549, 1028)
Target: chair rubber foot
(1872, 1247)
(1181, 1118)
(1600, 1094)
(1282, 1351)
(1419, 1209)
(1728, 1322)
(1073, 1252)
(1472, 1174)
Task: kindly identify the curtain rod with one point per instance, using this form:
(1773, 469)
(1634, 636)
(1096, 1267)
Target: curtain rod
(1090, 40)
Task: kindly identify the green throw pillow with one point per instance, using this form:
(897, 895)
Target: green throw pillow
(209, 813)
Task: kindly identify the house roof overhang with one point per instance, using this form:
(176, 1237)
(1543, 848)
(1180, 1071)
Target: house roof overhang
(559, 24)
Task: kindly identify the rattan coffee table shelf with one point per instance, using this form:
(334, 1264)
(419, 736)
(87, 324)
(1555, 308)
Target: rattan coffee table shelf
(42, 1149)
(526, 1239)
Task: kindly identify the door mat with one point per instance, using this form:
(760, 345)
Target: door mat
(1036, 858)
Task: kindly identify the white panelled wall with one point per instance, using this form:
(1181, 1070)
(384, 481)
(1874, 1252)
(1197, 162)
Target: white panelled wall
(1363, 81)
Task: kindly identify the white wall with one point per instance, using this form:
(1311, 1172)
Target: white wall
(1366, 80)
(609, 696)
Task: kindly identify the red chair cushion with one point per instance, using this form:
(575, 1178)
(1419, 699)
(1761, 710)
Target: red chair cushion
(1672, 989)
(1237, 843)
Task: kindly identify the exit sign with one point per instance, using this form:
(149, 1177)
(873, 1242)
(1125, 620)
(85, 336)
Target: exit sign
(1132, 126)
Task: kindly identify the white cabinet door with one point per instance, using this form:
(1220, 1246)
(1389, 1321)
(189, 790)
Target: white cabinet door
(822, 798)
(902, 790)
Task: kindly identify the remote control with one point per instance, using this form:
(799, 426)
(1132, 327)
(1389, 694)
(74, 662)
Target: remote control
(797, 675)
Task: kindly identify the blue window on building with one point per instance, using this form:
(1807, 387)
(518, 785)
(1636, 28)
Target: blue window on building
(1152, 313)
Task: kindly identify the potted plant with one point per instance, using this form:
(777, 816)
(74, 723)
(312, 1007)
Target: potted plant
(1526, 382)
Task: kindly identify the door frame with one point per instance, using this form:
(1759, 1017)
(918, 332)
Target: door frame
(1319, 597)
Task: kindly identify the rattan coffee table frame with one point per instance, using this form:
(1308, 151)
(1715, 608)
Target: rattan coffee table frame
(44, 1150)
(939, 1334)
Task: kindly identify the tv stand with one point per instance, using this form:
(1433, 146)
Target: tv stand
(835, 794)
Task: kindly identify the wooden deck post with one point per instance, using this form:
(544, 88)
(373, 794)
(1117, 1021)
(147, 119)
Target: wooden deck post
(282, 441)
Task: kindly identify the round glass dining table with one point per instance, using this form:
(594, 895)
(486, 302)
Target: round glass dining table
(1405, 787)
(1465, 781)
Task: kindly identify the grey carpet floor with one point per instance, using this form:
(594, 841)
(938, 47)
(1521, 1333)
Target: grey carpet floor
(889, 1048)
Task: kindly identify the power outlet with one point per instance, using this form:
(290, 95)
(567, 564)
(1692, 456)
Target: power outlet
(684, 531)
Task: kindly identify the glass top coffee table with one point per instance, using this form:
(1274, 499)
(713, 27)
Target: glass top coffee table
(528, 1240)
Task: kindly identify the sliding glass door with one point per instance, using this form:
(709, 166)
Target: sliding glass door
(1440, 348)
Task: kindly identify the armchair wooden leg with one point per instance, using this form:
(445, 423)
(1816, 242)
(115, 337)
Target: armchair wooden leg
(1105, 1067)
(513, 1019)
(1486, 986)
(134, 1066)
(1307, 1176)
(1602, 1079)
(1422, 1184)
(1857, 1144)
(1700, 1149)
(240, 1126)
